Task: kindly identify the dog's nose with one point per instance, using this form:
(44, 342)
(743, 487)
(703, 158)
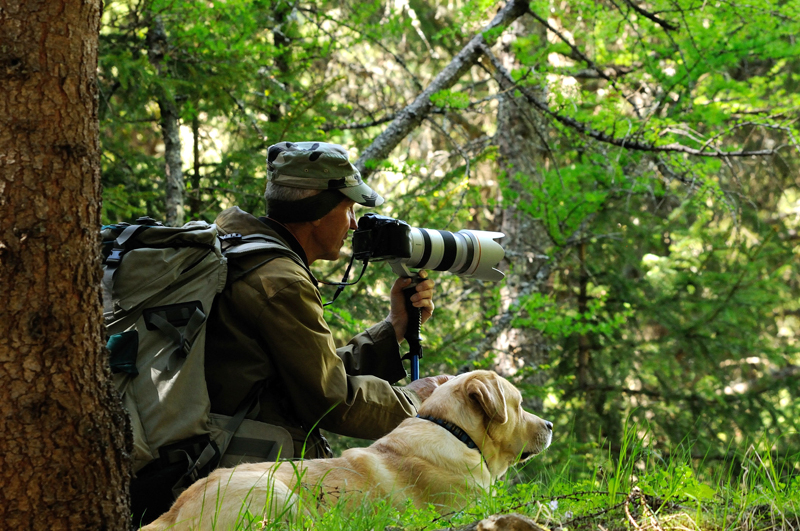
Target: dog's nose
(549, 425)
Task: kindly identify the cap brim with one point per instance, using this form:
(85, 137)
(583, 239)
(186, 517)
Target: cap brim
(363, 195)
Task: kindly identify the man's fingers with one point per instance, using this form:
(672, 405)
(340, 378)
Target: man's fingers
(422, 296)
(424, 387)
(424, 291)
(426, 285)
(399, 284)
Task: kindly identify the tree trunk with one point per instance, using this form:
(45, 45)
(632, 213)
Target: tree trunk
(281, 38)
(519, 140)
(195, 198)
(62, 435)
(584, 342)
(157, 46)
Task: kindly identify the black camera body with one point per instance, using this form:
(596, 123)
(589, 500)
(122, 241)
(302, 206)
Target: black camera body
(466, 253)
(381, 238)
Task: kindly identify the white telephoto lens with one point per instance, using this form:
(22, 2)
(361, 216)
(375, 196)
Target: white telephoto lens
(468, 253)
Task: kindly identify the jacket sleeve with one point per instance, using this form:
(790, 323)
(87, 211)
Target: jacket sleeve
(315, 376)
(374, 352)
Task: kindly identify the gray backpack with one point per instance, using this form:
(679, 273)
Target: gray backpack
(159, 285)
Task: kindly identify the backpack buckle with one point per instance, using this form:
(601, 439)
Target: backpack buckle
(232, 236)
(230, 240)
(186, 347)
(147, 220)
(115, 257)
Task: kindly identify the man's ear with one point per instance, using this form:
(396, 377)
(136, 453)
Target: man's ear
(486, 389)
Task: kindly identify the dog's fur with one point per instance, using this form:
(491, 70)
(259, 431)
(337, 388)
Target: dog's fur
(419, 460)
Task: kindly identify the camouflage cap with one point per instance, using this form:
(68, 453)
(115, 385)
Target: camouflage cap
(320, 166)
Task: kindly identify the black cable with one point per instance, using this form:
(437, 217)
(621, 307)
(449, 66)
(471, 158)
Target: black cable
(341, 285)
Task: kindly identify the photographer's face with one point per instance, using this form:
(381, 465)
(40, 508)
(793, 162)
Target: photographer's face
(330, 232)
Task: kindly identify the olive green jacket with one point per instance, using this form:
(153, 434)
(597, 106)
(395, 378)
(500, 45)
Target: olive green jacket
(269, 326)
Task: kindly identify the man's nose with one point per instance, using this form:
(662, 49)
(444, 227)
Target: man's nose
(353, 224)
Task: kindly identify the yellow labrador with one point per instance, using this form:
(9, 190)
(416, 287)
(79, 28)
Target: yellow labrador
(467, 434)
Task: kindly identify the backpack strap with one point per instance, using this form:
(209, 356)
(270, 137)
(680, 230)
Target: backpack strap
(235, 245)
(112, 262)
(183, 340)
(220, 444)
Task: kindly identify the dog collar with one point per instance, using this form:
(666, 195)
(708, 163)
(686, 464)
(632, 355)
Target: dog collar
(460, 434)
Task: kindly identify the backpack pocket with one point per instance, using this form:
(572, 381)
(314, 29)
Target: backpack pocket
(253, 441)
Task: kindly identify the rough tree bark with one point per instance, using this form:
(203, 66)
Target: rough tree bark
(62, 464)
(520, 141)
(157, 47)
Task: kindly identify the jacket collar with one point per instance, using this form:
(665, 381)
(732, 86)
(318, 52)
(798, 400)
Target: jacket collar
(286, 236)
(236, 220)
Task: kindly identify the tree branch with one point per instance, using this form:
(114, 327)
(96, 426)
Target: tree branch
(372, 39)
(359, 125)
(412, 116)
(506, 82)
(771, 381)
(575, 50)
(668, 26)
(594, 70)
(252, 120)
(366, 125)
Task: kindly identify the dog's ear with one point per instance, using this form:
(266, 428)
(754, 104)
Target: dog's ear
(487, 390)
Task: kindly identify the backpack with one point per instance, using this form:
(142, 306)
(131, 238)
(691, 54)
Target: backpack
(159, 285)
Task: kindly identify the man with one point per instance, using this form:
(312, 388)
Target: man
(268, 329)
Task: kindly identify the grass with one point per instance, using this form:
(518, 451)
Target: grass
(635, 488)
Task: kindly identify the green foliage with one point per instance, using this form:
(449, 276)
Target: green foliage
(565, 198)
(544, 314)
(662, 285)
(677, 481)
(492, 34)
(448, 98)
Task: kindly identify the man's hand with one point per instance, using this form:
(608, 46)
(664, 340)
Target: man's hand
(425, 386)
(423, 299)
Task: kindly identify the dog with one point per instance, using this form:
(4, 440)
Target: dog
(466, 435)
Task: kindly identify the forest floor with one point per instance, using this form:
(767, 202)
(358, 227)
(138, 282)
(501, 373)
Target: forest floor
(642, 491)
(638, 512)
(684, 504)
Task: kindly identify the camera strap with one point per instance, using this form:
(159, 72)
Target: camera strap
(341, 285)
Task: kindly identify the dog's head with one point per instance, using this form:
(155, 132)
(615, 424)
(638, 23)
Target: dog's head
(489, 409)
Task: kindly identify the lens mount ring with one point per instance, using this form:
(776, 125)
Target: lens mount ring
(470, 251)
